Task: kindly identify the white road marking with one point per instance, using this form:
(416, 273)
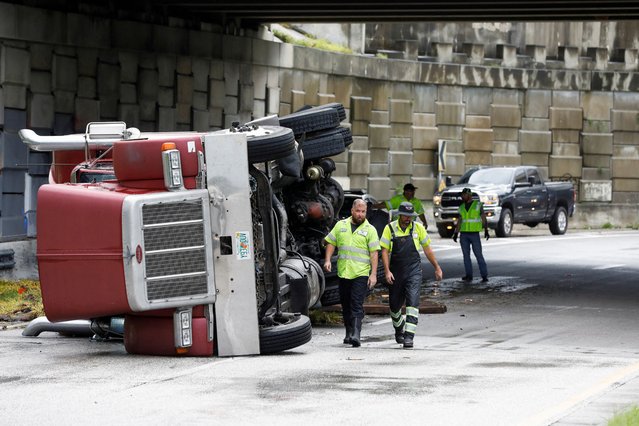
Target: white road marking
(380, 322)
(552, 414)
(609, 266)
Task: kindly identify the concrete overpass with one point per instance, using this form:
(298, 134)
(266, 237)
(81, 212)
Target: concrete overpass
(246, 13)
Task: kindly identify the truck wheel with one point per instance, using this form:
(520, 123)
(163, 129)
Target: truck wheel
(323, 144)
(331, 293)
(444, 232)
(559, 223)
(286, 331)
(341, 112)
(505, 225)
(311, 120)
(279, 143)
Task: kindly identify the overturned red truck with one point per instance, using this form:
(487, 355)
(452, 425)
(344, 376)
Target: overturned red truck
(201, 243)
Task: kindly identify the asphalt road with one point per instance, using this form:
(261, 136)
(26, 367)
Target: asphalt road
(551, 339)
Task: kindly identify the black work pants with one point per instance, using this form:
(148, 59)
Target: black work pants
(351, 295)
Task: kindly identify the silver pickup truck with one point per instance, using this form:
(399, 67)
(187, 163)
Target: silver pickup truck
(510, 195)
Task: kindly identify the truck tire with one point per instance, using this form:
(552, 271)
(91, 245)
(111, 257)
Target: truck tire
(311, 120)
(505, 225)
(278, 144)
(347, 135)
(323, 144)
(288, 331)
(444, 232)
(341, 112)
(331, 294)
(559, 223)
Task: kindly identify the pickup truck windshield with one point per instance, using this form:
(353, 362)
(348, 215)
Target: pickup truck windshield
(492, 176)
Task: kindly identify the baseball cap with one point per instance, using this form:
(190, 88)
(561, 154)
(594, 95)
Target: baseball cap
(406, 209)
(409, 187)
(466, 191)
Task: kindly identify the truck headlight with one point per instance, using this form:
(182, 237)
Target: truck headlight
(437, 200)
(489, 199)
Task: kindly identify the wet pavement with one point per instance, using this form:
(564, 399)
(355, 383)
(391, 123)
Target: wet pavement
(550, 341)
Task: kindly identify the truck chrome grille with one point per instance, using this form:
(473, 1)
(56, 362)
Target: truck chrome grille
(175, 287)
(451, 200)
(174, 249)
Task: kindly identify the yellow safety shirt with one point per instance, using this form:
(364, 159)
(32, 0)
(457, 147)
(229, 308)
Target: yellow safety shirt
(354, 248)
(420, 236)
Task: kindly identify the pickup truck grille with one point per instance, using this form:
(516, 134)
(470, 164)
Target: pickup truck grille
(174, 249)
(451, 200)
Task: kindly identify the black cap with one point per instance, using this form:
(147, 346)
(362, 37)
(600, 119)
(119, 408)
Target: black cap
(409, 187)
(467, 191)
(406, 209)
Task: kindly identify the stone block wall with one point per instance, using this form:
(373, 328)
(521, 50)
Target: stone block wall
(575, 123)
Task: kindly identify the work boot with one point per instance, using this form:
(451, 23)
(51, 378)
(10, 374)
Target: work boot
(408, 340)
(349, 332)
(357, 329)
(399, 335)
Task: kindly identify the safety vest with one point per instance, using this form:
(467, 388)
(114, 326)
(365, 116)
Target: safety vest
(471, 219)
(420, 236)
(353, 248)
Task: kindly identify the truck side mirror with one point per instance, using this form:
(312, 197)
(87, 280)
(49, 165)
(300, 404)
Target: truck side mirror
(531, 180)
(449, 181)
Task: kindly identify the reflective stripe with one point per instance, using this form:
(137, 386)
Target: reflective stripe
(374, 245)
(385, 241)
(425, 241)
(471, 219)
(412, 311)
(354, 259)
(353, 249)
(410, 327)
(331, 237)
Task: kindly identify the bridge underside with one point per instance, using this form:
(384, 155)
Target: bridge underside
(251, 12)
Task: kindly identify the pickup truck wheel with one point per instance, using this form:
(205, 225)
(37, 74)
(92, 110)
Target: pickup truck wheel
(284, 331)
(444, 232)
(559, 223)
(505, 225)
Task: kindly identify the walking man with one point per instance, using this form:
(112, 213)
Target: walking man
(472, 220)
(407, 196)
(357, 245)
(401, 242)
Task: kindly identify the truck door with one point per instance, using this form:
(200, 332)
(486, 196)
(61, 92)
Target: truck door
(538, 196)
(521, 197)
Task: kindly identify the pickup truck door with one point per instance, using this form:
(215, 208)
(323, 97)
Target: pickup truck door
(522, 197)
(531, 196)
(538, 197)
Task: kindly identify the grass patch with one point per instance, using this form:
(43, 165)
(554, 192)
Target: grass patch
(607, 225)
(310, 41)
(321, 317)
(20, 300)
(629, 417)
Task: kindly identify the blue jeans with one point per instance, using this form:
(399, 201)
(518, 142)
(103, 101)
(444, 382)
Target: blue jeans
(468, 240)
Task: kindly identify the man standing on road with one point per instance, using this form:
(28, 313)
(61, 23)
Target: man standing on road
(471, 221)
(357, 244)
(407, 196)
(401, 242)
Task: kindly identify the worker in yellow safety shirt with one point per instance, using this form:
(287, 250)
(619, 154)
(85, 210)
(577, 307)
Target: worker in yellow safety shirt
(472, 220)
(357, 246)
(401, 241)
(408, 195)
